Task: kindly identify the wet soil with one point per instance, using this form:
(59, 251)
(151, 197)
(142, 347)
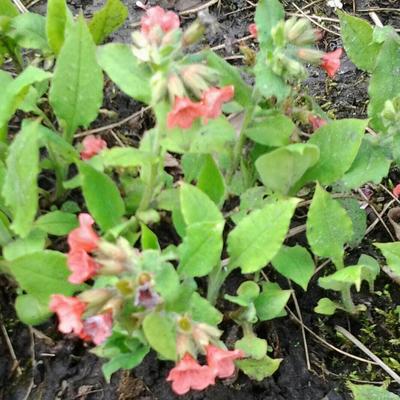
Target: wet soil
(50, 366)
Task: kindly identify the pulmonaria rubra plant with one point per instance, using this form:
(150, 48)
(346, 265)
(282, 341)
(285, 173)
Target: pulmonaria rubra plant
(226, 167)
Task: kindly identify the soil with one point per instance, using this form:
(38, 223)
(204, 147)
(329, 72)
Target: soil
(50, 366)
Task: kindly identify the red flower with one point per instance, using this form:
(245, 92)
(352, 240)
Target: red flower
(92, 145)
(82, 266)
(189, 374)
(213, 99)
(253, 30)
(97, 328)
(157, 16)
(316, 121)
(330, 62)
(69, 311)
(84, 237)
(222, 361)
(396, 191)
(184, 112)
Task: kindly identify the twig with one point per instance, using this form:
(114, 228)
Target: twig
(389, 193)
(222, 46)
(368, 352)
(385, 208)
(21, 8)
(374, 16)
(33, 358)
(15, 366)
(199, 8)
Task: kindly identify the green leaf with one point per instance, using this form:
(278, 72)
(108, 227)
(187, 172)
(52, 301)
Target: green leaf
(102, 197)
(271, 302)
(358, 218)
(8, 9)
(124, 157)
(33, 243)
(20, 190)
(370, 165)
(167, 283)
(357, 36)
(268, 14)
(30, 310)
(335, 158)
(203, 311)
(295, 263)
(211, 181)
(391, 251)
(271, 129)
(57, 223)
(369, 392)
(29, 31)
(133, 78)
(148, 239)
(328, 227)
(247, 292)
(56, 21)
(384, 84)
(371, 269)
(160, 333)
(76, 91)
(345, 277)
(258, 237)
(16, 91)
(107, 20)
(252, 346)
(280, 169)
(326, 306)
(201, 249)
(259, 369)
(230, 75)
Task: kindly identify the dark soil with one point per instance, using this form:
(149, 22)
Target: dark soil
(51, 366)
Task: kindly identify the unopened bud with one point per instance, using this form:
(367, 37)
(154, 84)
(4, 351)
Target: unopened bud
(175, 87)
(194, 81)
(184, 345)
(95, 297)
(204, 333)
(143, 278)
(194, 33)
(158, 84)
(295, 69)
(301, 26)
(310, 55)
(113, 305)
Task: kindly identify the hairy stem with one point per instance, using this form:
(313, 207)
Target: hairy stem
(347, 300)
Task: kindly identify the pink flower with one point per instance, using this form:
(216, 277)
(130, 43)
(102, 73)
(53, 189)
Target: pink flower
(69, 311)
(330, 62)
(97, 328)
(184, 112)
(222, 361)
(316, 121)
(146, 296)
(213, 99)
(82, 266)
(253, 30)
(84, 237)
(396, 191)
(189, 374)
(157, 16)
(92, 145)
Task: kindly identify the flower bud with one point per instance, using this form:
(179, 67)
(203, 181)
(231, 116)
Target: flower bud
(113, 305)
(158, 84)
(204, 333)
(193, 80)
(125, 287)
(184, 324)
(300, 27)
(194, 33)
(95, 297)
(184, 344)
(175, 87)
(310, 55)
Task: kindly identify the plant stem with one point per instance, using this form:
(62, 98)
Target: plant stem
(347, 300)
(215, 281)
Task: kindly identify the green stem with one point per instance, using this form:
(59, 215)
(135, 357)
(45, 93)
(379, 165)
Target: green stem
(215, 280)
(347, 300)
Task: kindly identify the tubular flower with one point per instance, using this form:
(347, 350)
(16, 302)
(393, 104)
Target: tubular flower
(82, 266)
(253, 30)
(189, 374)
(222, 361)
(97, 328)
(157, 16)
(83, 237)
(316, 122)
(92, 145)
(330, 62)
(69, 311)
(396, 191)
(184, 112)
(213, 99)
(146, 296)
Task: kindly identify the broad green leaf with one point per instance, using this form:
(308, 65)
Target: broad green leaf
(29, 31)
(102, 197)
(335, 158)
(160, 332)
(259, 369)
(271, 302)
(30, 310)
(76, 91)
(56, 21)
(133, 78)
(371, 269)
(124, 157)
(358, 218)
(268, 14)
(5, 78)
(252, 346)
(251, 199)
(384, 84)
(8, 9)
(328, 227)
(391, 251)
(247, 292)
(370, 165)
(57, 223)
(255, 241)
(271, 129)
(357, 36)
(20, 189)
(211, 181)
(295, 263)
(16, 91)
(201, 249)
(326, 306)
(202, 311)
(345, 277)
(280, 169)
(148, 238)
(370, 392)
(167, 283)
(33, 243)
(107, 20)
(230, 75)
